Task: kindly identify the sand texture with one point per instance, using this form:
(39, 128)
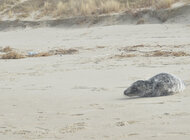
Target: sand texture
(80, 95)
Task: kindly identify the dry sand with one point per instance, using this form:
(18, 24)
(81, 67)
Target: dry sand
(80, 96)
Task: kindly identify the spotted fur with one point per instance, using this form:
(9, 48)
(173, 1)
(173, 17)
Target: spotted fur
(160, 85)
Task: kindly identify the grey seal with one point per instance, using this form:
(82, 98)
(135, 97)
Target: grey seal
(159, 85)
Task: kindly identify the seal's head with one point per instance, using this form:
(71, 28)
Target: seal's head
(139, 88)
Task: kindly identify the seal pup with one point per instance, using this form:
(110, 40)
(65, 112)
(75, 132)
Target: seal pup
(159, 85)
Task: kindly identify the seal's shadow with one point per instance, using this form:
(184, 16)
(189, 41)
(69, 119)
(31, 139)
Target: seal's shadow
(129, 98)
(136, 98)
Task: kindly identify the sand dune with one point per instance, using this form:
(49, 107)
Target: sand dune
(174, 15)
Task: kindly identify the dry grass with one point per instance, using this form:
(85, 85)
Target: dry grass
(132, 48)
(156, 51)
(151, 54)
(81, 7)
(12, 55)
(120, 56)
(97, 7)
(6, 49)
(100, 47)
(64, 51)
(55, 52)
(161, 4)
(138, 46)
(70, 8)
(167, 54)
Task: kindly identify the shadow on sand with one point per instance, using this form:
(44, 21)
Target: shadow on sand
(129, 98)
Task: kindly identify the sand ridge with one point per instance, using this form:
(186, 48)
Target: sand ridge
(179, 13)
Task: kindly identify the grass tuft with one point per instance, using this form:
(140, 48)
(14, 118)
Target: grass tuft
(65, 52)
(71, 8)
(163, 4)
(7, 49)
(12, 55)
(123, 56)
(159, 53)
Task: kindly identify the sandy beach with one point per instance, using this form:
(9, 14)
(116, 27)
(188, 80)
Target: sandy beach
(80, 96)
(76, 90)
